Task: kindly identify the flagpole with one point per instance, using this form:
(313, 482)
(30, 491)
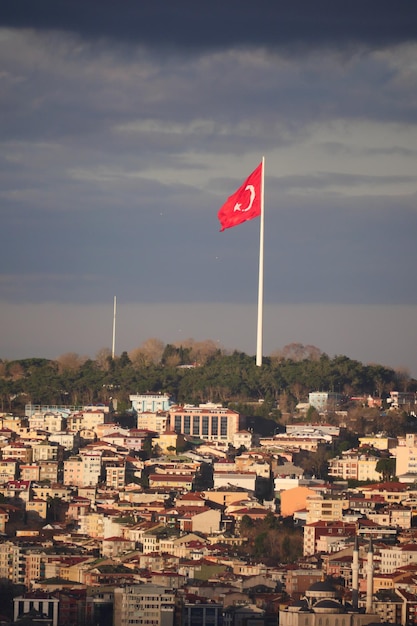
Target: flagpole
(114, 329)
(261, 272)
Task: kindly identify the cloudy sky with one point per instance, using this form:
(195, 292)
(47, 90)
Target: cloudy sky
(125, 126)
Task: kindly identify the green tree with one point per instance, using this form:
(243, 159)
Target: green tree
(386, 467)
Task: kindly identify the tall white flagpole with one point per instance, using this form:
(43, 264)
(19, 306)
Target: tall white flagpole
(113, 345)
(261, 272)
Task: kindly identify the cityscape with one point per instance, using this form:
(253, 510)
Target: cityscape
(290, 511)
(240, 448)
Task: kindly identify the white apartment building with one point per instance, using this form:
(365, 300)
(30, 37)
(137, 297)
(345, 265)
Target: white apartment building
(68, 441)
(150, 402)
(394, 557)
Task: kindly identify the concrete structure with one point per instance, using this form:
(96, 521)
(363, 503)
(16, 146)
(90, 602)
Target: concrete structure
(210, 422)
(324, 401)
(51, 422)
(321, 507)
(406, 455)
(144, 605)
(150, 402)
(43, 603)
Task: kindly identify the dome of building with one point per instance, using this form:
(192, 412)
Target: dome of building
(328, 606)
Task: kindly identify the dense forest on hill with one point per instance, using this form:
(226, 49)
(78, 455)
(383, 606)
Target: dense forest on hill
(192, 373)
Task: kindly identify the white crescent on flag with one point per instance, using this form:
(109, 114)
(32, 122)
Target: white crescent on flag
(238, 206)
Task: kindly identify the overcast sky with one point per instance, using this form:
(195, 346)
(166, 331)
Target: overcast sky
(125, 126)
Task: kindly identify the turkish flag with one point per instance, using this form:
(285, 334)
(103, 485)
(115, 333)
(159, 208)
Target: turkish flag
(245, 203)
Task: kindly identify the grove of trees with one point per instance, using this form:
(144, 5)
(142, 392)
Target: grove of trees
(192, 372)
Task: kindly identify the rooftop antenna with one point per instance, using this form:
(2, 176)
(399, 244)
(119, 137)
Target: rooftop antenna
(114, 328)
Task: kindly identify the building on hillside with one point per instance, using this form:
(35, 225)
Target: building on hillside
(157, 422)
(353, 466)
(327, 508)
(303, 429)
(324, 401)
(83, 470)
(378, 441)
(147, 603)
(17, 451)
(8, 470)
(294, 499)
(406, 455)
(150, 402)
(68, 441)
(402, 399)
(332, 531)
(210, 422)
(42, 607)
(51, 422)
(47, 451)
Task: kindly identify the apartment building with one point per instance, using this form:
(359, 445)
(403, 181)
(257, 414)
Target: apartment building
(143, 605)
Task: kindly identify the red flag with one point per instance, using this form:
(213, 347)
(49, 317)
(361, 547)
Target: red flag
(244, 204)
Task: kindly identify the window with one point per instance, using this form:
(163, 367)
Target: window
(214, 425)
(223, 427)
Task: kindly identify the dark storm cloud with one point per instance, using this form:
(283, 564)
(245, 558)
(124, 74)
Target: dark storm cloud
(220, 23)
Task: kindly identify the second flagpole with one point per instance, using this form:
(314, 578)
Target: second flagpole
(259, 334)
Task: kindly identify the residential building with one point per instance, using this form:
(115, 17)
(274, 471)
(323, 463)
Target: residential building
(51, 422)
(157, 422)
(144, 605)
(46, 451)
(324, 507)
(8, 470)
(333, 531)
(150, 402)
(18, 451)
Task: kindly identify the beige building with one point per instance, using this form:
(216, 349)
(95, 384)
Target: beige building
(51, 422)
(210, 422)
(145, 605)
(321, 507)
(18, 451)
(8, 471)
(377, 442)
(406, 455)
(30, 472)
(116, 475)
(83, 470)
(157, 422)
(46, 451)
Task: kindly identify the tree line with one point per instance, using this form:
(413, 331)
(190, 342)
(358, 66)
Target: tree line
(193, 372)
